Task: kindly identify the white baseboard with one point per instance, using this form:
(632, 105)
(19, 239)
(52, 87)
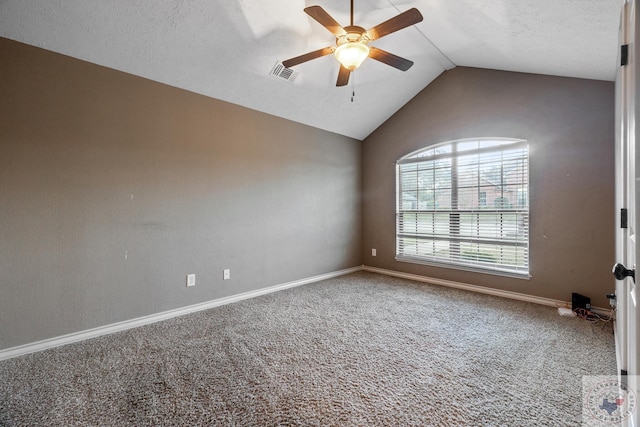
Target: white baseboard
(153, 318)
(481, 289)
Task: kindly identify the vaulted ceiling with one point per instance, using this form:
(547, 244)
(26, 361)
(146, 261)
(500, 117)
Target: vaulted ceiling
(226, 49)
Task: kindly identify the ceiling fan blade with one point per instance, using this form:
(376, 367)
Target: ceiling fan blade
(307, 57)
(389, 58)
(398, 22)
(320, 15)
(343, 76)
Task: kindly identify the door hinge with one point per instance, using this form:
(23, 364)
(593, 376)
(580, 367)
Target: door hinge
(623, 218)
(624, 55)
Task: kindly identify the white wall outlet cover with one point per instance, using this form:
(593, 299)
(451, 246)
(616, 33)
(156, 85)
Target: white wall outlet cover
(373, 252)
(226, 274)
(191, 279)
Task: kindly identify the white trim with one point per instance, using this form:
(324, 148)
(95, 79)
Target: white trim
(153, 318)
(616, 343)
(481, 289)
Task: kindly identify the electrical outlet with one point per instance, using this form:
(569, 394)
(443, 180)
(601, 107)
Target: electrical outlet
(226, 274)
(191, 279)
(373, 252)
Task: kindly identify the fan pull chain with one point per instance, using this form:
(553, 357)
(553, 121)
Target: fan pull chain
(353, 87)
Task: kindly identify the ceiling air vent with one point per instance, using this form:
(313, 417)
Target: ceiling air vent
(281, 72)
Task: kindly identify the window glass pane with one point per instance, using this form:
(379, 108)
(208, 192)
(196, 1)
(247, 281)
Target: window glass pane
(513, 154)
(443, 199)
(443, 149)
(467, 145)
(431, 152)
(471, 159)
(409, 200)
(522, 197)
(443, 177)
(428, 179)
(468, 175)
(442, 162)
(467, 198)
(425, 178)
(427, 153)
(426, 200)
(482, 198)
(426, 165)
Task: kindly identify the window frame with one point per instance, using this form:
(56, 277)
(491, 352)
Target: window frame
(456, 260)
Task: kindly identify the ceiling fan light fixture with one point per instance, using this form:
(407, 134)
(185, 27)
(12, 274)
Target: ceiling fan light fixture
(352, 54)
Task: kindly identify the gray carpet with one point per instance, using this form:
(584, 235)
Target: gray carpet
(358, 350)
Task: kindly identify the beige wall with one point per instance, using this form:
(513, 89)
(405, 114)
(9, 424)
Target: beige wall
(569, 126)
(113, 188)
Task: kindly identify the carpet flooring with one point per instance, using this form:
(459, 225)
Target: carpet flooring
(357, 350)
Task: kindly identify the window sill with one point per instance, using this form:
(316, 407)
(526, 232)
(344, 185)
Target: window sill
(462, 267)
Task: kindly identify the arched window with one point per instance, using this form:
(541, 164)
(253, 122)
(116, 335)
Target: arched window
(465, 204)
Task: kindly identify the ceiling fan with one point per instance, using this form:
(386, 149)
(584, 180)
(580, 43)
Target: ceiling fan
(352, 42)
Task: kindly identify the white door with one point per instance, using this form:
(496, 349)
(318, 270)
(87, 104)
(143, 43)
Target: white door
(622, 176)
(627, 323)
(633, 173)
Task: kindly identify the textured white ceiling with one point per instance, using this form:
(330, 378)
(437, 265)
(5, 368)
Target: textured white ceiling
(226, 48)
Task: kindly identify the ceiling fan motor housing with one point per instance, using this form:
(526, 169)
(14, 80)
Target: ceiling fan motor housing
(353, 34)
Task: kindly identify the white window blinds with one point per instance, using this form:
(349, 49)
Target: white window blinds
(466, 204)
